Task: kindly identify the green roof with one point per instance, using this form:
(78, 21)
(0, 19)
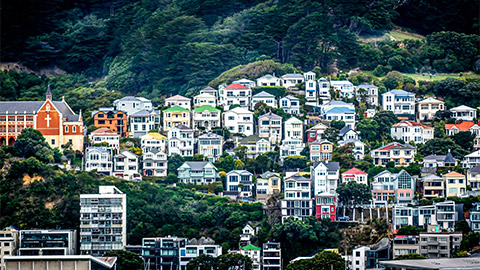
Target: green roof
(176, 108)
(250, 247)
(206, 108)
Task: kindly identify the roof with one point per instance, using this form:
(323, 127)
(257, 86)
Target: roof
(176, 108)
(270, 174)
(290, 97)
(251, 247)
(178, 97)
(340, 82)
(205, 95)
(354, 171)
(336, 103)
(318, 126)
(196, 165)
(245, 172)
(394, 145)
(449, 158)
(366, 86)
(252, 139)
(430, 100)
(293, 75)
(31, 107)
(239, 110)
(132, 98)
(463, 126)
(462, 108)
(182, 127)
(108, 262)
(156, 135)
(209, 135)
(409, 123)
(454, 173)
(268, 76)
(331, 166)
(321, 141)
(432, 177)
(141, 113)
(437, 263)
(344, 130)
(292, 120)
(243, 80)
(103, 130)
(270, 115)
(340, 110)
(206, 108)
(264, 94)
(236, 86)
(102, 149)
(475, 169)
(208, 88)
(297, 177)
(400, 92)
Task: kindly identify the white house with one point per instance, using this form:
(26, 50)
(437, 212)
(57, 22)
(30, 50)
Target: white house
(345, 88)
(132, 104)
(204, 99)
(367, 91)
(239, 183)
(270, 127)
(325, 177)
(411, 131)
(291, 80)
(206, 117)
(294, 129)
(126, 166)
(239, 120)
(98, 158)
(471, 160)
(269, 80)
(335, 104)
(210, 145)
(464, 113)
(310, 86)
(297, 200)
(400, 102)
(210, 90)
(355, 175)
(153, 140)
(235, 94)
(291, 147)
(358, 147)
(290, 104)
(347, 133)
(155, 162)
(197, 172)
(181, 141)
(465, 126)
(324, 89)
(428, 107)
(106, 135)
(265, 98)
(141, 122)
(179, 100)
(255, 145)
(341, 114)
(245, 82)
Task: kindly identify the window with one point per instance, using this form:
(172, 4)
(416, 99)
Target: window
(66, 129)
(53, 142)
(74, 129)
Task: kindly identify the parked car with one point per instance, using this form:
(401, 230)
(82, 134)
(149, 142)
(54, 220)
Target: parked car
(343, 218)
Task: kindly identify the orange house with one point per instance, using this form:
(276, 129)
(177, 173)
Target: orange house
(112, 119)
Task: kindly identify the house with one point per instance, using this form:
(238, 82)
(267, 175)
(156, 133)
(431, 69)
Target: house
(47, 242)
(291, 80)
(471, 160)
(235, 94)
(347, 133)
(270, 127)
(239, 184)
(112, 119)
(99, 159)
(204, 99)
(335, 104)
(314, 133)
(54, 119)
(255, 146)
(290, 104)
(181, 141)
(268, 184)
(9, 243)
(324, 89)
(239, 120)
(206, 117)
(355, 175)
(126, 165)
(175, 116)
(405, 244)
(434, 161)
(164, 252)
(153, 140)
(473, 178)
(455, 184)
(475, 217)
(195, 248)
(400, 102)
(105, 135)
(464, 113)
(397, 187)
(297, 200)
(248, 232)
(269, 80)
(265, 98)
(210, 90)
(293, 129)
(465, 126)
(367, 92)
(436, 217)
(320, 150)
(131, 104)
(310, 86)
(155, 162)
(254, 253)
(433, 187)
(179, 100)
(197, 172)
(245, 82)
(428, 107)
(344, 88)
(291, 147)
(400, 154)
(272, 256)
(411, 131)
(141, 122)
(439, 244)
(325, 176)
(341, 114)
(210, 145)
(358, 147)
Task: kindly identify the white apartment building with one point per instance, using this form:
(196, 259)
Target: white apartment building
(239, 184)
(153, 140)
(400, 102)
(204, 99)
(132, 104)
(239, 120)
(290, 104)
(263, 97)
(325, 176)
(210, 145)
(126, 165)
(178, 100)
(294, 129)
(310, 86)
(141, 122)
(103, 221)
(270, 127)
(98, 158)
(206, 117)
(341, 114)
(428, 107)
(345, 88)
(210, 90)
(297, 200)
(106, 135)
(8, 243)
(324, 89)
(291, 147)
(155, 162)
(181, 141)
(411, 131)
(269, 80)
(195, 248)
(291, 80)
(235, 94)
(464, 113)
(254, 253)
(369, 92)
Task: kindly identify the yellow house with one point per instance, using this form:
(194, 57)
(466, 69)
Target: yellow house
(175, 116)
(455, 184)
(268, 183)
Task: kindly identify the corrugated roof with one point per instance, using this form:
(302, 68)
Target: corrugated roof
(463, 126)
(409, 123)
(354, 171)
(176, 108)
(236, 86)
(340, 110)
(206, 108)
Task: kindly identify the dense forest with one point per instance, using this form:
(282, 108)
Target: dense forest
(177, 46)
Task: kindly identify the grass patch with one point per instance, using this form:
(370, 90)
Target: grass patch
(401, 35)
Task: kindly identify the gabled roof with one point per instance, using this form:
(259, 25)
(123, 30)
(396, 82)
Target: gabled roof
(297, 177)
(270, 115)
(344, 130)
(321, 141)
(206, 108)
(141, 113)
(236, 86)
(463, 126)
(243, 80)
(475, 169)
(366, 86)
(340, 110)
(197, 165)
(239, 110)
(400, 92)
(293, 76)
(432, 177)
(252, 139)
(394, 145)
(354, 171)
(183, 127)
(241, 172)
(474, 154)
(268, 174)
(318, 126)
(209, 135)
(462, 108)
(409, 123)
(453, 173)
(264, 94)
(290, 97)
(208, 88)
(268, 76)
(337, 103)
(177, 97)
(251, 247)
(292, 120)
(331, 166)
(430, 100)
(31, 107)
(176, 108)
(205, 95)
(155, 135)
(103, 130)
(340, 82)
(449, 158)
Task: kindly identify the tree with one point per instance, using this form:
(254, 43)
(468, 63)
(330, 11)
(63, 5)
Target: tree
(126, 260)
(462, 226)
(174, 162)
(410, 256)
(409, 230)
(369, 129)
(464, 140)
(233, 260)
(225, 162)
(295, 162)
(202, 262)
(324, 260)
(32, 143)
(353, 192)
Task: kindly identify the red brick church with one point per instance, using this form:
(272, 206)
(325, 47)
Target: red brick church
(54, 119)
